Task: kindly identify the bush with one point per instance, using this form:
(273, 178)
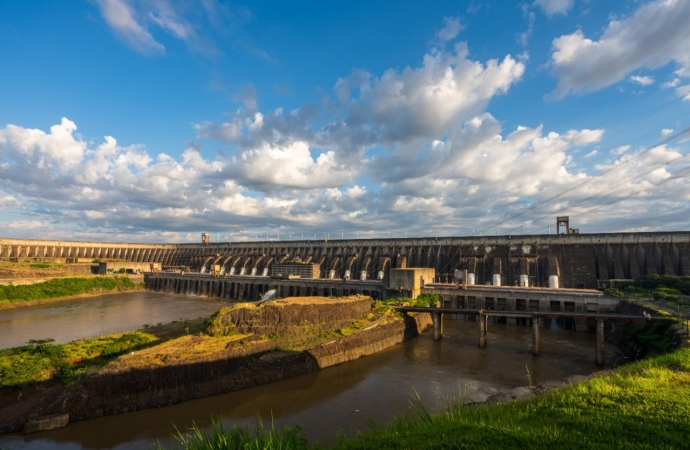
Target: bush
(614, 292)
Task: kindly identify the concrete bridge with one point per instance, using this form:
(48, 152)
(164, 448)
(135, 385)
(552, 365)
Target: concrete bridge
(536, 318)
(567, 260)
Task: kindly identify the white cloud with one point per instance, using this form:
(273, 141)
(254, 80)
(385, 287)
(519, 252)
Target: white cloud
(472, 176)
(120, 16)
(620, 150)
(666, 132)
(57, 149)
(672, 83)
(591, 154)
(553, 7)
(642, 80)
(684, 92)
(425, 101)
(194, 23)
(290, 166)
(655, 35)
(451, 28)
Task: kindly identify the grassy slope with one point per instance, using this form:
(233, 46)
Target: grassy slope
(643, 405)
(62, 287)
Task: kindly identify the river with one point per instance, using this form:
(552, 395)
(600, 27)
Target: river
(378, 386)
(68, 320)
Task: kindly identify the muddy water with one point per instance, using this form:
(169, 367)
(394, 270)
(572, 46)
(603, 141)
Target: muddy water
(110, 313)
(342, 397)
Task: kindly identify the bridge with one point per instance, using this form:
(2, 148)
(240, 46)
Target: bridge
(535, 316)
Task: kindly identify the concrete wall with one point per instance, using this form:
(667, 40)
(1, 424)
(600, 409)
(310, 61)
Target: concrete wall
(410, 279)
(104, 267)
(582, 260)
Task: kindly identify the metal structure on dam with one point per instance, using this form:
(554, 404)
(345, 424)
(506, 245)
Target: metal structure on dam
(577, 260)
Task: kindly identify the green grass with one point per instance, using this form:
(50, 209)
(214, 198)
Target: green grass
(62, 287)
(42, 361)
(662, 285)
(423, 301)
(643, 405)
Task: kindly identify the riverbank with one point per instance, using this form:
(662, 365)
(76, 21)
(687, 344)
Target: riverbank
(239, 347)
(641, 405)
(61, 289)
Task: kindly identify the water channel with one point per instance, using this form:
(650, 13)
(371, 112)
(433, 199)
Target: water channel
(341, 397)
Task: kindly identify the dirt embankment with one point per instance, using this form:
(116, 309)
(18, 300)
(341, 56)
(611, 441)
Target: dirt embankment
(199, 366)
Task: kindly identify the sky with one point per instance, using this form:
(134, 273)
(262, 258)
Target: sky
(157, 120)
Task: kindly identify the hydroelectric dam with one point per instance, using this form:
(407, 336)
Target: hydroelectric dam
(580, 261)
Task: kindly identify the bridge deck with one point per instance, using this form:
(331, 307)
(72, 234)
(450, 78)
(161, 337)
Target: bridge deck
(531, 314)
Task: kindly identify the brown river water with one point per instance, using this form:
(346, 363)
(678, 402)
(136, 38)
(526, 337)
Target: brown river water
(378, 386)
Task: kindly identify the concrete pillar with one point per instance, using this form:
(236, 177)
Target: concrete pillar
(535, 331)
(437, 319)
(601, 357)
(483, 322)
(497, 279)
(524, 281)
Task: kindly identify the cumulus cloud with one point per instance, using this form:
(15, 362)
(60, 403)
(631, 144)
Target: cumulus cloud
(475, 175)
(553, 7)
(426, 100)
(655, 35)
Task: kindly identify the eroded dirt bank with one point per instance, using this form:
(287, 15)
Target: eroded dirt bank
(245, 347)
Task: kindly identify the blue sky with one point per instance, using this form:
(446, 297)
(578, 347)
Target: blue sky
(155, 120)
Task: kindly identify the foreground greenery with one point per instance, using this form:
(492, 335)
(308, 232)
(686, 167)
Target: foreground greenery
(63, 287)
(645, 404)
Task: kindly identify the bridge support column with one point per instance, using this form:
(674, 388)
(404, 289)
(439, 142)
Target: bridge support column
(483, 325)
(601, 357)
(437, 319)
(535, 331)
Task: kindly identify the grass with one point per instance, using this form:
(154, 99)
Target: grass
(423, 301)
(63, 287)
(643, 405)
(42, 361)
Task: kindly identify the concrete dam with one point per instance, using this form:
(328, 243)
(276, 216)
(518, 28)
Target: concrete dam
(580, 261)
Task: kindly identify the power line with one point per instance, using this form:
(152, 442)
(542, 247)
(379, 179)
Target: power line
(611, 188)
(589, 180)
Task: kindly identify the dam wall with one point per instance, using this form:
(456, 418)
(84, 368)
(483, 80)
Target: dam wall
(579, 260)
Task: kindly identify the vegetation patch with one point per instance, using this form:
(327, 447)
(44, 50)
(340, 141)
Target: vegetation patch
(42, 360)
(652, 339)
(641, 405)
(63, 287)
(423, 301)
